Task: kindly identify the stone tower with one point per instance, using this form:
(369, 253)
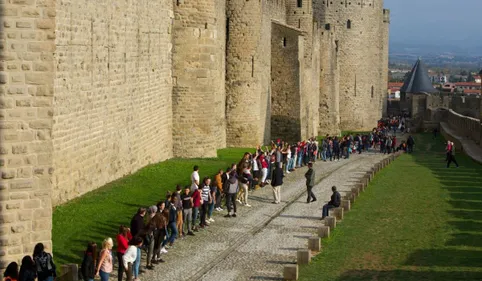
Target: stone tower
(198, 78)
(247, 73)
(356, 25)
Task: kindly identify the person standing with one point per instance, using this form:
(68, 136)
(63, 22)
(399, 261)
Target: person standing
(196, 204)
(187, 210)
(334, 202)
(310, 182)
(88, 263)
(276, 182)
(137, 224)
(206, 196)
(27, 270)
(122, 238)
(11, 272)
(46, 270)
(231, 190)
(451, 155)
(130, 256)
(195, 179)
(105, 264)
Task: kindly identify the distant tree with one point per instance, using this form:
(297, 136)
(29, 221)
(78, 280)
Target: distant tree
(464, 73)
(470, 78)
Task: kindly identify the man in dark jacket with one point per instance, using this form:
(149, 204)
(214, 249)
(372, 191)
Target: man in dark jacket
(137, 222)
(334, 202)
(310, 182)
(276, 182)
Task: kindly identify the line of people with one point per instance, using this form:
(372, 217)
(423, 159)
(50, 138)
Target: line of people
(190, 209)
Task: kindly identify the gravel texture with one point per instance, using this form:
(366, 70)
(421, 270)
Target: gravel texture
(262, 239)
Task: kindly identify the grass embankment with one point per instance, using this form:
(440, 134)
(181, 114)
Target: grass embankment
(417, 221)
(98, 214)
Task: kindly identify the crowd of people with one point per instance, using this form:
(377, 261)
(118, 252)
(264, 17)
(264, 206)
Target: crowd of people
(40, 266)
(190, 209)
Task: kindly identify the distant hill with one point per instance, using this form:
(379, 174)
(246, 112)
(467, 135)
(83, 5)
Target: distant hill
(431, 49)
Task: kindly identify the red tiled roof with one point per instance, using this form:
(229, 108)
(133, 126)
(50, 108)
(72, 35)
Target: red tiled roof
(395, 84)
(471, 91)
(467, 84)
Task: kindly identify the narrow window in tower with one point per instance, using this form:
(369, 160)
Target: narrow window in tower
(336, 44)
(348, 24)
(227, 36)
(284, 42)
(373, 92)
(299, 23)
(300, 3)
(252, 66)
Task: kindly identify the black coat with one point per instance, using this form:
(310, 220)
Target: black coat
(137, 223)
(88, 267)
(335, 199)
(277, 177)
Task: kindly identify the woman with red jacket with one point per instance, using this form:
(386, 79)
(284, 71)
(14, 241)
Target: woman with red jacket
(123, 238)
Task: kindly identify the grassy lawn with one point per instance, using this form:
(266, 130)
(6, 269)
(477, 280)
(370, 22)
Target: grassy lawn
(99, 213)
(416, 221)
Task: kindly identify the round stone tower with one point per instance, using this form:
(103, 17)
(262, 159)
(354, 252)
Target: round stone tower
(198, 95)
(356, 25)
(244, 68)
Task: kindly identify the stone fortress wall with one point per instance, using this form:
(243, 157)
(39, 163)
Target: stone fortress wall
(94, 90)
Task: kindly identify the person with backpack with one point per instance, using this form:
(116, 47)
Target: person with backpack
(27, 270)
(11, 272)
(46, 270)
(88, 263)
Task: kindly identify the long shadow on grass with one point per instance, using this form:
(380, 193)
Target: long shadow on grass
(464, 189)
(409, 275)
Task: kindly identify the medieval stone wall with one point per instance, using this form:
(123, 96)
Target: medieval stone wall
(112, 98)
(199, 78)
(467, 106)
(356, 26)
(286, 69)
(26, 122)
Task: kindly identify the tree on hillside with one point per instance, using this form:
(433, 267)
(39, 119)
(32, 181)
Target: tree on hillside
(464, 73)
(470, 78)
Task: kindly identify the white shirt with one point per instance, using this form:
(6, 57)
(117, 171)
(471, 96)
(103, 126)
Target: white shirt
(130, 255)
(194, 178)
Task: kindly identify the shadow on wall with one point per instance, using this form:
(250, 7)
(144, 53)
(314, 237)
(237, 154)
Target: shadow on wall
(286, 128)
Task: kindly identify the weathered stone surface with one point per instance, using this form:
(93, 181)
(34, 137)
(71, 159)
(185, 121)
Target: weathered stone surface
(303, 257)
(323, 231)
(331, 222)
(290, 272)
(314, 244)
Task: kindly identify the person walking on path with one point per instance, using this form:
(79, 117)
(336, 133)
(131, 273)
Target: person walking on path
(451, 154)
(333, 203)
(310, 182)
(276, 182)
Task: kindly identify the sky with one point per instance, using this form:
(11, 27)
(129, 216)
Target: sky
(431, 22)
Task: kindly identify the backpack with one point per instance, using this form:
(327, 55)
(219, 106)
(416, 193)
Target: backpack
(44, 263)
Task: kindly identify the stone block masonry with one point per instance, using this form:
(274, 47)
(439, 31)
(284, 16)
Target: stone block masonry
(93, 90)
(26, 124)
(112, 108)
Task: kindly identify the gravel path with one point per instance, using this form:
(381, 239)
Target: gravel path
(256, 244)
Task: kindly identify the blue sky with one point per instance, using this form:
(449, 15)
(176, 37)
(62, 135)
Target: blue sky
(434, 21)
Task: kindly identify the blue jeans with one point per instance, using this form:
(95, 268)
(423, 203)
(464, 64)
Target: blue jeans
(326, 209)
(300, 158)
(137, 264)
(195, 213)
(323, 155)
(104, 276)
(173, 228)
(211, 209)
